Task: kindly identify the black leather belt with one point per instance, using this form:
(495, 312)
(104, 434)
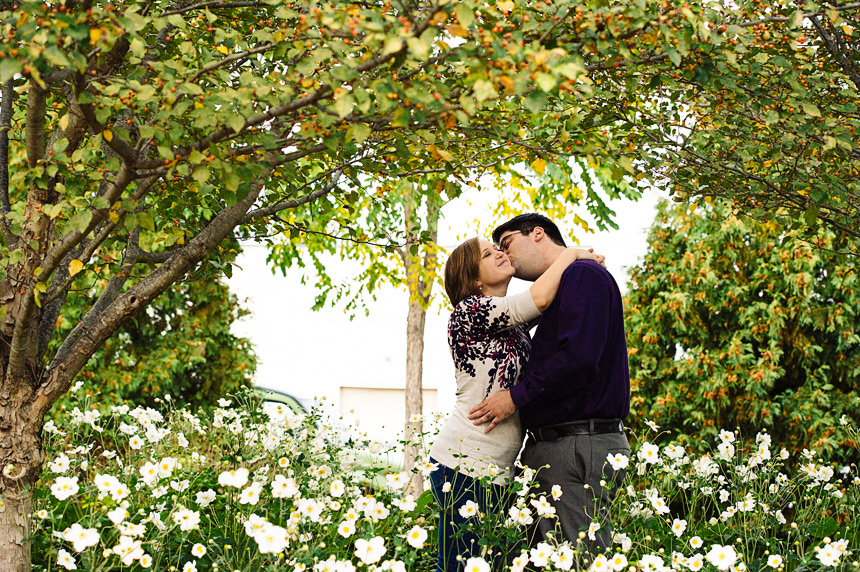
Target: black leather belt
(590, 427)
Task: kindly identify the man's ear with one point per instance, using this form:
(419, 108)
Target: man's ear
(538, 234)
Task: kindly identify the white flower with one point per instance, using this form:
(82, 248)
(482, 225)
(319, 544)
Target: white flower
(166, 466)
(186, 519)
(651, 563)
(283, 487)
(726, 451)
(539, 555)
(370, 551)
(119, 492)
(64, 487)
(618, 562)
(396, 481)
(649, 453)
(828, 555)
(335, 489)
(469, 509)
(654, 427)
(406, 504)
(60, 465)
(519, 563)
(563, 558)
(696, 542)
(592, 530)
(198, 550)
(726, 436)
(723, 557)
(695, 562)
(673, 451)
(543, 507)
(224, 402)
(251, 494)
(618, 461)
(521, 516)
(600, 563)
(272, 539)
(446, 487)
(624, 540)
(205, 498)
(149, 472)
(237, 478)
(128, 550)
(66, 560)
(190, 567)
(118, 514)
(416, 537)
(310, 509)
(678, 527)
(774, 560)
(476, 564)
(254, 524)
(347, 528)
(556, 492)
(145, 560)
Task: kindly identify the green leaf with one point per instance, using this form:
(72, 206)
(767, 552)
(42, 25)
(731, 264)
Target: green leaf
(9, 67)
(484, 90)
(200, 174)
(359, 132)
(810, 109)
(675, 56)
(236, 122)
(546, 82)
(81, 219)
(344, 104)
(465, 14)
(144, 219)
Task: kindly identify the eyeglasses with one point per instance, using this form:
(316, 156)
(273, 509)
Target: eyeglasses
(506, 242)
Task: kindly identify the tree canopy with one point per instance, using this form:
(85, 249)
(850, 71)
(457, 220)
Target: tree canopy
(728, 325)
(160, 129)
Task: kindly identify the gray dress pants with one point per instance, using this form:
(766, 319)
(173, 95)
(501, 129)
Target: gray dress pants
(578, 464)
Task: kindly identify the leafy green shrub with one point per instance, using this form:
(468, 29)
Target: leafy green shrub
(728, 326)
(181, 345)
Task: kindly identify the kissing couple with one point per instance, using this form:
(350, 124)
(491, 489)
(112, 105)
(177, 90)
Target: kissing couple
(566, 390)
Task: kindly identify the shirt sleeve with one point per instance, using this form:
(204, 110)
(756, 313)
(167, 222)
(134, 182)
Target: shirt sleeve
(492, 314)
(583, 318)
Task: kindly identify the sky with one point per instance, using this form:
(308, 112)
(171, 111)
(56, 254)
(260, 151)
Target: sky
(315, 354)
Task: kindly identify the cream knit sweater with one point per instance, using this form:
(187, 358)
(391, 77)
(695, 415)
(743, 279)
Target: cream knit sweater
(490, 347)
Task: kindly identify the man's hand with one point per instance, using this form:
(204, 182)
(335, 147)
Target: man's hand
(494, 409)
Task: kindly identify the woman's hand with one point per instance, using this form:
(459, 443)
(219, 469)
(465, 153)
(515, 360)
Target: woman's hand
(571, 255)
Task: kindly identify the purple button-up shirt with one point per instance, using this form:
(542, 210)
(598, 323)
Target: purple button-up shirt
(578, 366)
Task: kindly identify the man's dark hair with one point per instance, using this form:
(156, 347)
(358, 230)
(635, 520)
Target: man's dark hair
(525, 223)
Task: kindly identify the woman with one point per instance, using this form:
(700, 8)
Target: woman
(487, 334)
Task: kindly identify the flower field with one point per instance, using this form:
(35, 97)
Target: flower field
(238, 488)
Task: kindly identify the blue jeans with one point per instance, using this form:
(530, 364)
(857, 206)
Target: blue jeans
(456, 533)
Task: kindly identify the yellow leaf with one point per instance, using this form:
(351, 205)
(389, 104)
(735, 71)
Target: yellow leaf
(64, 122)
(539, 165)
(107, 135)
(505, 5)
(75, 266)
(95, 35)
(222, 49)
(114, 218)
(848, 30)
(457, 30)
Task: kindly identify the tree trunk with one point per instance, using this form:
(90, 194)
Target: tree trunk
(414, 392)
(21, 457)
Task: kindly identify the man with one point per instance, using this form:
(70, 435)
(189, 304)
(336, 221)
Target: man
(575, 391)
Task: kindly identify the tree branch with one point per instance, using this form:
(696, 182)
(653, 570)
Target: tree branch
(846, 63)
(293, 203)
(5, 127)
(94, 331)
